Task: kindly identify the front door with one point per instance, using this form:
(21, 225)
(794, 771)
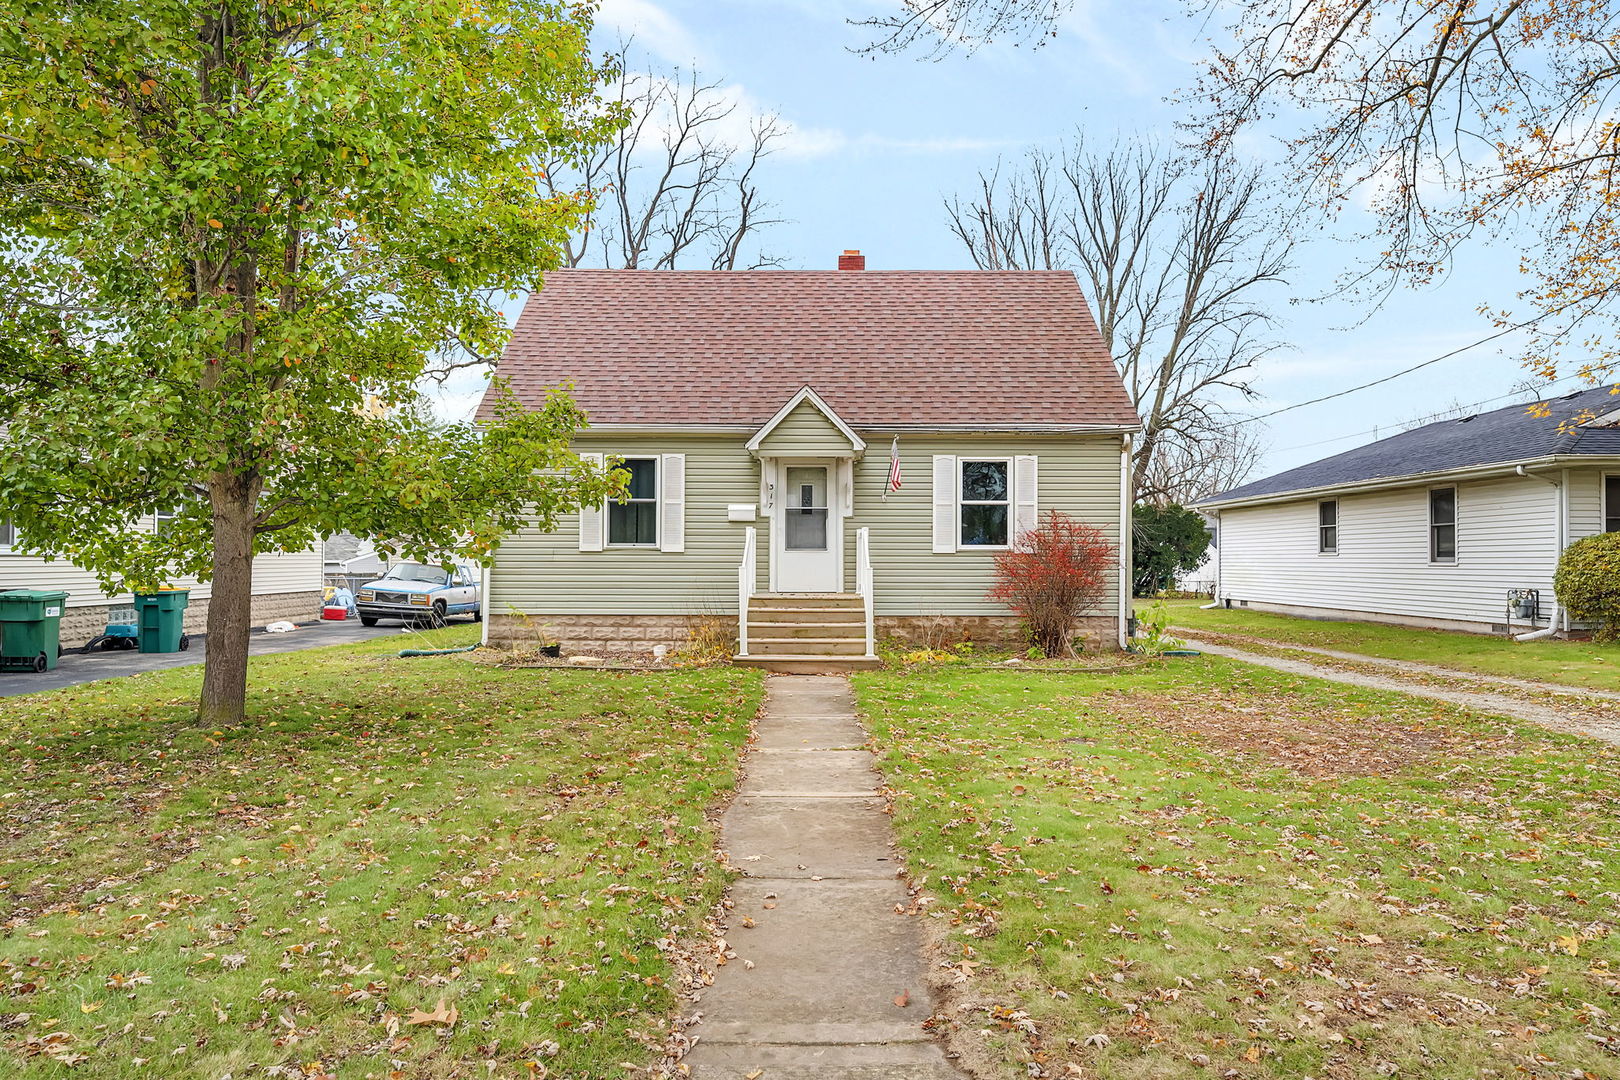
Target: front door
(808, 530)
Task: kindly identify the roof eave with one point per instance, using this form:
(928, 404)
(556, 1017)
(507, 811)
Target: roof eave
(1497, 468)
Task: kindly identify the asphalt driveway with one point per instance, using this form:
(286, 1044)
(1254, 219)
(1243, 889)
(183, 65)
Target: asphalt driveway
(75, 667)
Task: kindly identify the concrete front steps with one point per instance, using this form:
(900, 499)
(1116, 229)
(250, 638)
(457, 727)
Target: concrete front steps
(807, 633)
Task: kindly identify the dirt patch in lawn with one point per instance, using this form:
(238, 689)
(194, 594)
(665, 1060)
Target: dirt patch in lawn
(1314, 740)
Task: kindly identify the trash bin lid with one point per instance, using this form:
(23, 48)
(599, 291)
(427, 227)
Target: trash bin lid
(46, 595)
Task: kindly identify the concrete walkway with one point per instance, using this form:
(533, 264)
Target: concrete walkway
(1557, 711)
(828, 979)
(75, 667)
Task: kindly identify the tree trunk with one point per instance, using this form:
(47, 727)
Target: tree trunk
(224, 690)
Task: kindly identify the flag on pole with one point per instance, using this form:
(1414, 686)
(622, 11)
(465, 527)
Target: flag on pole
(894, 468)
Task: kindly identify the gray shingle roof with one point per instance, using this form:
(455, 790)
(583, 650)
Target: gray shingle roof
(1502, 436)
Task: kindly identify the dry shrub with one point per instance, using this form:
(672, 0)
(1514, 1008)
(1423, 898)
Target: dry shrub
(710, 639)
(1052, 575)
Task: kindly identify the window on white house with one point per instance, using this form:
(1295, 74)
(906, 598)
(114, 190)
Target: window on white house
(161, 520)
(8, 534)
(634, 522)
(1611, 504)
(1327, 525)
(985, 503)
(1443, 525)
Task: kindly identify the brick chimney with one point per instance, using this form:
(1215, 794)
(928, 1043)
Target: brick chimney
(852, 260)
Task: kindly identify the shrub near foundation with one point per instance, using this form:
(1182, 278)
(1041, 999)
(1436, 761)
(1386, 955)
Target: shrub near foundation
(1587, 582)
(1053, 574)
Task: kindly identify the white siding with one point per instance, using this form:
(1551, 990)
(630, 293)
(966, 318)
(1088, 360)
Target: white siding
(1506, 539)
(1586, 502)
(297, 572)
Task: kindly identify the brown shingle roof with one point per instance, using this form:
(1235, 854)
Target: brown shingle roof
(881, 347)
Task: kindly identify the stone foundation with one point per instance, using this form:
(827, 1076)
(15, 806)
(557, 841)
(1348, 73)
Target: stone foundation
(639, 633)
(1099, 632)
(80, 624)
(602, 633)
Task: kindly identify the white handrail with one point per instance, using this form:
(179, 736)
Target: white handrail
(747, 574)
(863, 580)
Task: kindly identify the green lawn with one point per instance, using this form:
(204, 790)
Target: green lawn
(1575, 663)
(1205, 869)
(297, 897)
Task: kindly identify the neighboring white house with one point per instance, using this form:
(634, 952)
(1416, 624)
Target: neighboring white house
(284, 587)
(1202, 579)
(1458, 524)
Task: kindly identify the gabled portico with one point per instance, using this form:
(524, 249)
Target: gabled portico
(806, 455)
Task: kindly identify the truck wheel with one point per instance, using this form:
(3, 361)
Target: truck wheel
(478, 614)
(368, 620)
(436, 619)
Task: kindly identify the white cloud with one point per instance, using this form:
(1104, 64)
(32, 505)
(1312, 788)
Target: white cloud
(826, 142)
(653, 28)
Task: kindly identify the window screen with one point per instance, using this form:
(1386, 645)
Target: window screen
(984, 509)
(1327, 525)
(805, 525)
(635, 520)
(1443, 525)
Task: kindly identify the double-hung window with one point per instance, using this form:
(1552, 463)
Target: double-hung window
(1327, 526)
(634, 521)
(8, 534)
(161, 520)
(985, 504)
(1611, 503)
(1443, 525)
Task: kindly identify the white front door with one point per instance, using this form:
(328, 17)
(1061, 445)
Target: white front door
(808, 534)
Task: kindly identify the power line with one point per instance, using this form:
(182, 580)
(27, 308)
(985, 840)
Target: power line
(1387, 378)
(1431, 416)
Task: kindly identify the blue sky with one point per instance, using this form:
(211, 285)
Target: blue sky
(878, 142)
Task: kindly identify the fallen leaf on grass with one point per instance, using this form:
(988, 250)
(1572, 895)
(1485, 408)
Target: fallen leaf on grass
(441, 1014)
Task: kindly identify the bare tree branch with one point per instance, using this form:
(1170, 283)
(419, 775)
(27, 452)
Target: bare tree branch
(1176, 263)
(680, 186)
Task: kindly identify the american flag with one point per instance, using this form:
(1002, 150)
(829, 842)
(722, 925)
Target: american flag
(894, 468)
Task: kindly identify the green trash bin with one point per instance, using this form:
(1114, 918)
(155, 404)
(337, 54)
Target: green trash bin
(30, 629)
(159, 617)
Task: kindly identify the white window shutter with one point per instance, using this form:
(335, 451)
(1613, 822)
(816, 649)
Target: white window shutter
(592, 521)
(944, 503)
(672, 503)
(1027, 513)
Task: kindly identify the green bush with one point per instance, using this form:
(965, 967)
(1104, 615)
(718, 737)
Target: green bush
(1588, 582)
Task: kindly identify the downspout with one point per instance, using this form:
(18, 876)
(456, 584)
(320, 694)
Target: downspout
(1125, 536)
(1215, 594)
(483, 606)
(1561, 531)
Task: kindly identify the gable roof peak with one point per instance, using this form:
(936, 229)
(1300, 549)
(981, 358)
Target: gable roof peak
(808, 395)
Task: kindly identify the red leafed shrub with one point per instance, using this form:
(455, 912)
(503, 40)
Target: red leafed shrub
(1056, 572)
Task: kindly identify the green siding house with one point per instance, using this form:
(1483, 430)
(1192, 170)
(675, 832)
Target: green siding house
(817, 459)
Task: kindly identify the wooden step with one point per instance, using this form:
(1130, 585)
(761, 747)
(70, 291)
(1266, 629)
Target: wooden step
(788, 664)
(846, 646)
(806, 602)
(774, 628)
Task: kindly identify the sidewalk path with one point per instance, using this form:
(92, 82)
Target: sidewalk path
(1559, 711)
(816, 986)
(76, 667)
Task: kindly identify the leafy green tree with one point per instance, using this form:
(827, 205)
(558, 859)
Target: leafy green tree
(1165, 541)
(229, 232)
